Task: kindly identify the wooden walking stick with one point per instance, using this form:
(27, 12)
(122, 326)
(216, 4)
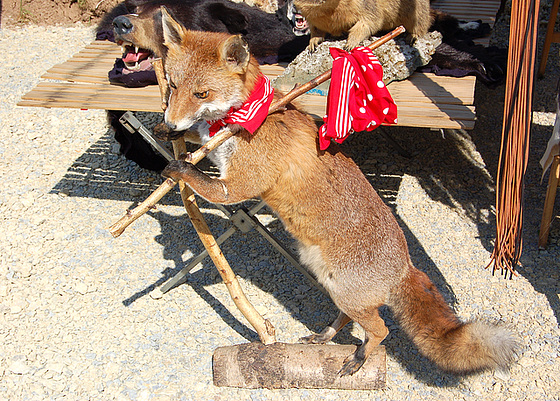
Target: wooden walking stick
(132, 215)
(264, 328)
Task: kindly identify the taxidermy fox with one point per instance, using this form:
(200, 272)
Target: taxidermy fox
(347, 236)
(363, 18)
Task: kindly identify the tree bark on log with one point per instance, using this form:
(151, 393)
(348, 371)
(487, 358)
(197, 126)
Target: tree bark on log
(280, 365)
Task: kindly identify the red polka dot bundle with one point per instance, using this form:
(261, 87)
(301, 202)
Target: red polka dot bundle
(358, 99)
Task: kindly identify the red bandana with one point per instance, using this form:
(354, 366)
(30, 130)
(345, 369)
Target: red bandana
(253, 112)
(358, 99)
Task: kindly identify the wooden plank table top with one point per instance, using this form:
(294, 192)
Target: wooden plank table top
(423, 100)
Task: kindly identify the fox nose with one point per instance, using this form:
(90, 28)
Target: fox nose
(122, 25)
(171, 126)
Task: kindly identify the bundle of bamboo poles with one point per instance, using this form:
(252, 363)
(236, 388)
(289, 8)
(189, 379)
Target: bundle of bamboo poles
(515, 136)
(264, 328)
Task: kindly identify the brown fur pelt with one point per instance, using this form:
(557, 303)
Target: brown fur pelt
(361, 19)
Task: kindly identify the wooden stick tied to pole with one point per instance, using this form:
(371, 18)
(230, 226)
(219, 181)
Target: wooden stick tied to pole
(132, 215)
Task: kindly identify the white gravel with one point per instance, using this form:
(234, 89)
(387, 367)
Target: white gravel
(76, 318)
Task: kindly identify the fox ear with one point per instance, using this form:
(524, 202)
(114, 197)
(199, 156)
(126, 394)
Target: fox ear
(234, 53)
(173, 31)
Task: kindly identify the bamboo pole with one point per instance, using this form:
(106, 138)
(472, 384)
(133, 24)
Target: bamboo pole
(553, 181)
(118, 228)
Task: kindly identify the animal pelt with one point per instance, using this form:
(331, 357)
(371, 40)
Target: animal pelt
(458, 55)
(290, 16)
(452, 29)
(488, 64)
(271, 38)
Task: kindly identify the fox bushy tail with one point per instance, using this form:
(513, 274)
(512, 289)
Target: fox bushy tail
(435, 329)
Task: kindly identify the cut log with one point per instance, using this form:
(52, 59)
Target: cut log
(280, 365)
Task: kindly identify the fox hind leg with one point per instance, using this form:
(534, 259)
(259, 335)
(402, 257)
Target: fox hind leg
(376, 331)
(329, 332)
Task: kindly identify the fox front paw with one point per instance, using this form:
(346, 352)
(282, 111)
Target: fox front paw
(313, 339)
(177, 169)
(351, 365)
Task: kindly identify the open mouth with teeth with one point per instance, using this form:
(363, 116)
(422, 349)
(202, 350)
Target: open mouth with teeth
(300, 25)
(301, 22)
(136, 58)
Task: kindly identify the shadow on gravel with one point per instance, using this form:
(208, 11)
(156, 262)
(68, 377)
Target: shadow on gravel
(103, 174)
(253, 259)
(540, 267)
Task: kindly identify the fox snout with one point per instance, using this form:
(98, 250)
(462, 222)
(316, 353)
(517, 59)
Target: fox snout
(175, 120)
(170, 126)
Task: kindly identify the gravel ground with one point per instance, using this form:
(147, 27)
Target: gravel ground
(76, 317)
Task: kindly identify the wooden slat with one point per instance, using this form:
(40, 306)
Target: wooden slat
(445, 89)
(92, 70)
(423, 100)
(403, 91)
(416, 112)
(101, 80)
(410, 113)
(437, 118)
(117, 98)
(102, 57)
(77, 66)
(272, 71)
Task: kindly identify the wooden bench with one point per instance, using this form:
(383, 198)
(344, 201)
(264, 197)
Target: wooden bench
(423, 100)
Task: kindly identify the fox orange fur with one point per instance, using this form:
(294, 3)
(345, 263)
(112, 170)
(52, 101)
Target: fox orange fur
(347, 236)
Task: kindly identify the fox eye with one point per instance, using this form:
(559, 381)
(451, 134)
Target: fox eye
(202, 95)
(172, 85)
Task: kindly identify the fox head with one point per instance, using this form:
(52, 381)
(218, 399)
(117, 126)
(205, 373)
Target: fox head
(208, 73)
